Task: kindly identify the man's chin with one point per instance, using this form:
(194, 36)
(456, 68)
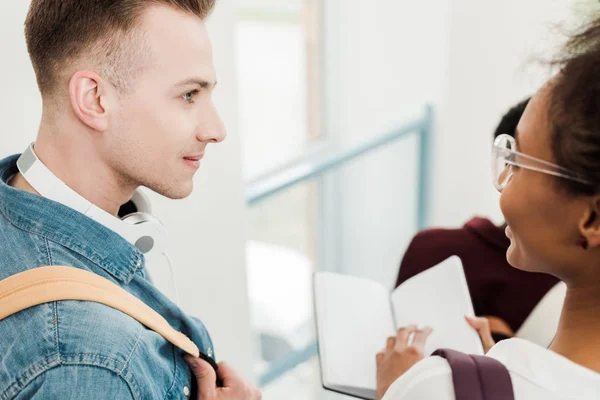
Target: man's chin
(176, 193)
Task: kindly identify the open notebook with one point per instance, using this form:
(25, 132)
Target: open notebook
(355, 316)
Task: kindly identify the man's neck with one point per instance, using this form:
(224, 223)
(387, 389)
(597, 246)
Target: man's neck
(18, 182)
(79, 167)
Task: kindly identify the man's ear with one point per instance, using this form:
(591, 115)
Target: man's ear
(89, 93)
(589, 225)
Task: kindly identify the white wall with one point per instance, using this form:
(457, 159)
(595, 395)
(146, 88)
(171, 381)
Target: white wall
(490, 66)
(471, 59)
(20, 102)
(382, 63)
(207, 230)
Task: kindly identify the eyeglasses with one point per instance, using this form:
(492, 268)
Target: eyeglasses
(505, 156)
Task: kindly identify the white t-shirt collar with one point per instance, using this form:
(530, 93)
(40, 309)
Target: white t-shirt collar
(547, 369)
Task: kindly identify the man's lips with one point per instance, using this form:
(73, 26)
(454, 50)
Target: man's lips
(193, 161)
(196, 157)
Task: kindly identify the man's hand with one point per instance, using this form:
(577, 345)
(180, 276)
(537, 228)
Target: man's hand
(234, 386)
(398, 356)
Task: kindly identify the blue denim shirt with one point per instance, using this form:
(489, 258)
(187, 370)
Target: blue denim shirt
(83, 350)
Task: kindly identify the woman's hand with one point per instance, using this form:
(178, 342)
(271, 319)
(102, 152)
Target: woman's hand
(486, 325)
(482, 326)
(399, 356)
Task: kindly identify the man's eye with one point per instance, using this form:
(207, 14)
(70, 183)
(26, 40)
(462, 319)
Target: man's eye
(189, 96)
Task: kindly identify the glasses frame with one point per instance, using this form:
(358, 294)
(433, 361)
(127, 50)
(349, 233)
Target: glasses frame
(512, 157)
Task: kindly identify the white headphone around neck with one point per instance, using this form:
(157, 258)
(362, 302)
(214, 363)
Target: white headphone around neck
(139, 228)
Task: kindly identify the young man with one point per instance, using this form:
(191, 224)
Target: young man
(126, 88)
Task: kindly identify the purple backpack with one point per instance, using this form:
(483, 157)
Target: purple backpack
(477, 377)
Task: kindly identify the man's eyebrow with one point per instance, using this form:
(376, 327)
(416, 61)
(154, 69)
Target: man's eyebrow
(204, 84)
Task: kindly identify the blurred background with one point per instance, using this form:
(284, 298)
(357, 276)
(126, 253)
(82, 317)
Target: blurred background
(351, 125)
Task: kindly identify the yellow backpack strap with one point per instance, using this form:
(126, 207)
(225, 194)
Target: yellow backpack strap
(47, 284)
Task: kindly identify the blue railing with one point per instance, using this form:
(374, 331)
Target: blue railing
(274, 183)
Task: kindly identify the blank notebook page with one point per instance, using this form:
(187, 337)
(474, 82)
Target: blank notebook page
(354, 322)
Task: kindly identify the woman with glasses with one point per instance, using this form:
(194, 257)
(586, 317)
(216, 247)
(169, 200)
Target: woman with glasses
(514, 302)
(549, 180)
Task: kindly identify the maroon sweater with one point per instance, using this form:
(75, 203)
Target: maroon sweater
(497, 289)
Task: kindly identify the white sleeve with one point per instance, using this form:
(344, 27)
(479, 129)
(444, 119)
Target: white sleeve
(430, 378)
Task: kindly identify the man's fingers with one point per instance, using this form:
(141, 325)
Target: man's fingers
(420, 338)
(234, 386)
(206, 377)
(228, 375)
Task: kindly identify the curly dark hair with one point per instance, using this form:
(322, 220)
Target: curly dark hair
(574, 109)
(510, 120)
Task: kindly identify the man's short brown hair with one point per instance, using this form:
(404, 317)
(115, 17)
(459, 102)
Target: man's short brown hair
(59, 32)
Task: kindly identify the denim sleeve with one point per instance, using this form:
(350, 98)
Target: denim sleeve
(203, 337)
(70, 382)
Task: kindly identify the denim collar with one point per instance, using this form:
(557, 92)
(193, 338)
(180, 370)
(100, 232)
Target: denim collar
(73, 230)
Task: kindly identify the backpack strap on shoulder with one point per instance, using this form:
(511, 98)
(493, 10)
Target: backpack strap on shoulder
(47, 284)
(478, 377)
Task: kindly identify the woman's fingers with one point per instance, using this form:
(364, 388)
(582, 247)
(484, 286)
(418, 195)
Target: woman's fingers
(482, 326)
